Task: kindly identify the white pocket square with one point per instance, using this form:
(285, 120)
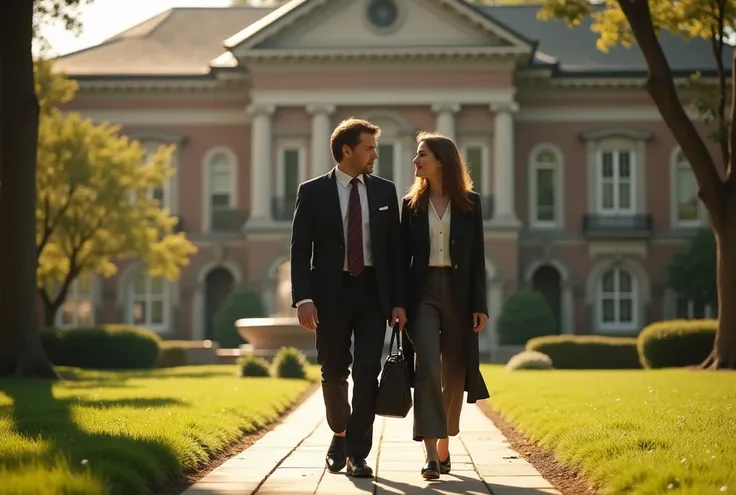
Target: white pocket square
(383, 208)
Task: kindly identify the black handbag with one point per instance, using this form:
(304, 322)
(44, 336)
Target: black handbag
(394, 389)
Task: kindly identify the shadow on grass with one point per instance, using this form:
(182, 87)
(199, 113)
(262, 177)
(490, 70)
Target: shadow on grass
(55, 438)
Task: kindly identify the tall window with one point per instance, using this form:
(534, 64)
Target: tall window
(220, 183)
(617, 300)
(544, 178)
(385, 165)
(687, 204)
(616, 182)
(161, 194)
(474, 160)
(291, 163)
(148, 301)
(78, 308)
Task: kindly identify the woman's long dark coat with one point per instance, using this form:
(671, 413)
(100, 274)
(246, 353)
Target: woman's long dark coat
(467, 254)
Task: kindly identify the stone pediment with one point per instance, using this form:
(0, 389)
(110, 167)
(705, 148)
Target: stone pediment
(376, 27)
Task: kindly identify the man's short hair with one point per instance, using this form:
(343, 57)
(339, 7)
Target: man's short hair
(348, 132)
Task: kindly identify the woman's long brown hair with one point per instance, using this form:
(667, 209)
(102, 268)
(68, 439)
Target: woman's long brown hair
(455, 177)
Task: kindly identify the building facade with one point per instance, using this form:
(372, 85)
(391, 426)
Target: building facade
(586, 194)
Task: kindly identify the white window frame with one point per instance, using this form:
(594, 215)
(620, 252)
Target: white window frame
(74, 297)
(397, 156)
(616, 153)
(557, 177)
(485, 188)
(617, 326)
(675, 165)
(132, 298)
(283, 146)
(206, 193)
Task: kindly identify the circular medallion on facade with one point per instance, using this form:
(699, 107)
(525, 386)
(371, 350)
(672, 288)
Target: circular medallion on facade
(383, 13)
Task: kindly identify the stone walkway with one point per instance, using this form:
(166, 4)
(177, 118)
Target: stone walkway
(289, 460)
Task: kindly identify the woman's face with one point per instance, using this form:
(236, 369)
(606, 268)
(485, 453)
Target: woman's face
(425, 162)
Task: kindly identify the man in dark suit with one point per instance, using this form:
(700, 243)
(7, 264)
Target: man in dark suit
(346, 282)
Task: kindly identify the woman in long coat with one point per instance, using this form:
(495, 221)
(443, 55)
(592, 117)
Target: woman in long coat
(442, 232)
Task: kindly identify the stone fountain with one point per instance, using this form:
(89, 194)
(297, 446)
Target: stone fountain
(266, 336)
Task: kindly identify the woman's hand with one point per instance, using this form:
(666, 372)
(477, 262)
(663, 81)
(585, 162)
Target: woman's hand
(479, 321)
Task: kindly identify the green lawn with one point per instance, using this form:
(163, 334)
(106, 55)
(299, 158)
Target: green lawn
(643, 432)
(124, 432)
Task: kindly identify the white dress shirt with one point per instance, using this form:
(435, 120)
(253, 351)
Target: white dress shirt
(343, 193)
(439, 236)
(344, 189)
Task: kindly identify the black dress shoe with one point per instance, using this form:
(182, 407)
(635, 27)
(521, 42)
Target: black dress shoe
(358, 468)
(335, 459)
(431, 471)
(446, 465)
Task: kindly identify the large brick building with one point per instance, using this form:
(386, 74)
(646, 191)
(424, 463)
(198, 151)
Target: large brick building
(586, 193)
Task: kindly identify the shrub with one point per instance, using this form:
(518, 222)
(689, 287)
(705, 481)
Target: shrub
(290, 362)
(173, 353)
(525, 315)
(588, 351)
(108, 347)
(252, 366)
(238, 304)
(529, 360)
(676, 343)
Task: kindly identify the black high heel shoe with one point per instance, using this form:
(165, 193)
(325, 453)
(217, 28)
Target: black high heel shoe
(431, 471)
(446, 465)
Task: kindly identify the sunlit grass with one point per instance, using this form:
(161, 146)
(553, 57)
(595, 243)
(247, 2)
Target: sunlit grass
(643, 432)
(125, 432)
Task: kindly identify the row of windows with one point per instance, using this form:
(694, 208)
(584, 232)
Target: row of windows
(615, 181)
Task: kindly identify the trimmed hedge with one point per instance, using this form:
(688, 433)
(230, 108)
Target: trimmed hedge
(588, 351)
(289, 362)
(676, 343)
(114, 346)
(529, 360)
(525, 315)
(253, 366)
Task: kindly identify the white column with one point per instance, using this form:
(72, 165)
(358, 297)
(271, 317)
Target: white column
(322, 161)
(446, 118)
(503, 164)
(261, 165)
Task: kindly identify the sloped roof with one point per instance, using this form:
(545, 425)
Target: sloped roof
(179, 41)
(188, 41)
(573, 50)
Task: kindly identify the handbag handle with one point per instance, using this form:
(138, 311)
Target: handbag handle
(395, 335)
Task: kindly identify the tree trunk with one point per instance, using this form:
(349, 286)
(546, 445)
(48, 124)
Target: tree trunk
(50, 308)
(724, 348)
(21, 353)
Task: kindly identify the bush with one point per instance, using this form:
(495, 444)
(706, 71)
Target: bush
(588, 351)
(529, 360)
(109, 347)
(525, 315)
(238, 304)
(252, 366)
(173, 353)
(290, 362)
(676, 343)
(187, 353)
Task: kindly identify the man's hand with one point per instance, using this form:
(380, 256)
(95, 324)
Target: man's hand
(479, 321)
(398, 314)
(307, 314)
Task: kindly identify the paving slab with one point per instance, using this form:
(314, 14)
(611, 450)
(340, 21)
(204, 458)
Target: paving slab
(290, 460)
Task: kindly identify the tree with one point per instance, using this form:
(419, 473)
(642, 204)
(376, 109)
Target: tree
(626, 21)
(691, 272)
(21, 354)
(94, 203)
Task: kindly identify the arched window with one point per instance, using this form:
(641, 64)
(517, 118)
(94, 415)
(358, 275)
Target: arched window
(617, 300)
(687, 210)
(148, 301)
(78, 308)
(545, 194)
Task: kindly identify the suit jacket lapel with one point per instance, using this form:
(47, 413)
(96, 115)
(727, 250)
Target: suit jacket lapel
(333, 200)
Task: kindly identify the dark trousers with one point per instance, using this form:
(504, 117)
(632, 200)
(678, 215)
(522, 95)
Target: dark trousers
(439, 343)
(356, 313)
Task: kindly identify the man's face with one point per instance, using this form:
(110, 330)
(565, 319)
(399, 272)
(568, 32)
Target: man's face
(363, 156)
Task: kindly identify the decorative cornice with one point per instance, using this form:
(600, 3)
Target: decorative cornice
(409, 53)
(159, 136)
(616, 132)
(207, 83)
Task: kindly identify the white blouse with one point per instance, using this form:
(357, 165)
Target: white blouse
(439, 237)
